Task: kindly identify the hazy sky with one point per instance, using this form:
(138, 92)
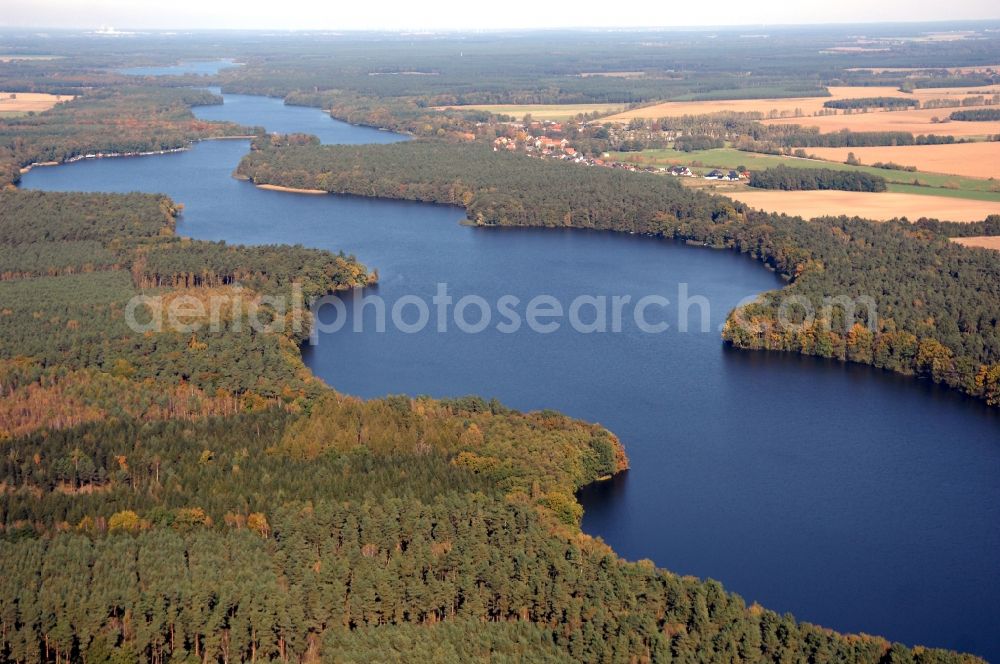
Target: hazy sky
(413, 15)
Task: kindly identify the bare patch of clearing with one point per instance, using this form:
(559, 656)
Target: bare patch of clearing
(982, 241)
(22, 102)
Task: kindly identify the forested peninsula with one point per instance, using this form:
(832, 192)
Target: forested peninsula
(72, 262)
(933, 323)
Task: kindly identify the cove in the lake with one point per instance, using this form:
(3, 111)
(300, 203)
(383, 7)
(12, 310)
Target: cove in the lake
(856, 499)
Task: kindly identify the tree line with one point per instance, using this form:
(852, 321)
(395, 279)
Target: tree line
(690, 143)
(773, 138)
(793, 179)
(872, 102)
(976, 115)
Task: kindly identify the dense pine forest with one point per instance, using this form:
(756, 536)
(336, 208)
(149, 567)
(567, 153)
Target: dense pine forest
(936, 302)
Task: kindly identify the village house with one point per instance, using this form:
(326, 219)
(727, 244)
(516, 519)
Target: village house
(727, 176)
(504, 143)
(546, 143)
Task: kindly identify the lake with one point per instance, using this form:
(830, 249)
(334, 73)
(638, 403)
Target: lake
(853, 498)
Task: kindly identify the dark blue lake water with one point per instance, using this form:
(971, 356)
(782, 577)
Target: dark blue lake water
(853, 498)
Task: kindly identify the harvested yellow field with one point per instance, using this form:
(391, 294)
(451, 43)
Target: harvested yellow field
(976, 69)
(16, 58)
(790, 107)
(984, 241)
(879, 206)
(916, 122)
(22, 102)
(974, 160)
(777, 107)
(953, 94)
(553, 112)
(793, 107)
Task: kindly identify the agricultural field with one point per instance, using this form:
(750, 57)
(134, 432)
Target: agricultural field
(977, 160)
(983, 241)
(878, 206)
(799, 106)
(776, 106)
(21, 102)
(977, 69)
(553, 112)
(930, 184)
(952, 198)
(929, 94)
(916, 122)
(772, 107)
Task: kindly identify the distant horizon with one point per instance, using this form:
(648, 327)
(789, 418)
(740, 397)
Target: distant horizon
(455, 16)
(126, 30)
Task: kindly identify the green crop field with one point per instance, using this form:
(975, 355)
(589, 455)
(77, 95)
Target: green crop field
(933, 184)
